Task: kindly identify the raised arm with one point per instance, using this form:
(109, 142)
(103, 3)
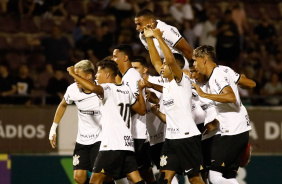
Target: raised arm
(57, 118)
(154, 55)
(85, 83)
(169, 58)
(140, 106)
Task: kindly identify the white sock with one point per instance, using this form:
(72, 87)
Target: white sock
(122, 181)
(217, 178)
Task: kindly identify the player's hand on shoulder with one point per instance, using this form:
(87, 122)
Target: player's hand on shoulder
(157, 33)
(148, 32)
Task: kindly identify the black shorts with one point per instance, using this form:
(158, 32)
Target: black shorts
(116, 164)
(227, 154)
(208, 147)
(84, 156)
(155, 153)
(142, 153)
(184, 156)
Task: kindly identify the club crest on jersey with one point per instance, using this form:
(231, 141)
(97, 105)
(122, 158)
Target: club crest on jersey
(163, 160)
(75, 161)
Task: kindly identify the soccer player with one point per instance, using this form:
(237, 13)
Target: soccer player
(116, 156)
(181, 151)
(89, 127)
(232, 115)
(171, 35)
(123, 55)
(155, 127)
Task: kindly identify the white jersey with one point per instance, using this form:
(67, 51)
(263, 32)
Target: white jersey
(155, 127)
(233, 117)
(171, 37)
(211, 113)
(177, 107)
(198, 113)
(89, 126)
(138, 126)
(115, 109)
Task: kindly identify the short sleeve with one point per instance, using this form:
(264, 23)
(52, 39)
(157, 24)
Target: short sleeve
(68, 97)
(133, 98)
(219, 81)
(185, 80)
(171, 34)
(107, 91)
(132, 83)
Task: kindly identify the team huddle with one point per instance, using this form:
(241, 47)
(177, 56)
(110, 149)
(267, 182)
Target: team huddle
(189, 120)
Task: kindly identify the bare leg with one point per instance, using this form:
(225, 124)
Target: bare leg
(134, 176)
(80, 176)
(196, 179)
(147, 175)
(166, 176)
(97, 178)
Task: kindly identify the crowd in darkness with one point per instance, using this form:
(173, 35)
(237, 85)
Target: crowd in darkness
(39, 39)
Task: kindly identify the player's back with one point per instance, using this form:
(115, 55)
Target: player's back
(138, 127)
(115, 109)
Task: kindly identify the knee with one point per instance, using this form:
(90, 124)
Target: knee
(80, 179)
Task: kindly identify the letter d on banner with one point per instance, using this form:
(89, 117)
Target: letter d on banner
(271, 130)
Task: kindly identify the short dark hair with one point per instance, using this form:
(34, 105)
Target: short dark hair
(109, 64)
(141, 60)
(179, 60)
(145, 12)
(191, 63)
(127, 50)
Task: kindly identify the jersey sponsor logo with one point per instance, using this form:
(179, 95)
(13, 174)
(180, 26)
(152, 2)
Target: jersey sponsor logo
(173, 130)
(163, 161)
(89, 136)
(206, 106)
(75, 161)
(123, 92)
(218, 85)
(67, 99)
(93, 113)
(158, 135)
(169, 102)
(175, 32)
(169, 42)
(107, 88)
(248, 120)
(128, 141)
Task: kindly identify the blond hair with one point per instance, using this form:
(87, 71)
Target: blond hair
(86, 66)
